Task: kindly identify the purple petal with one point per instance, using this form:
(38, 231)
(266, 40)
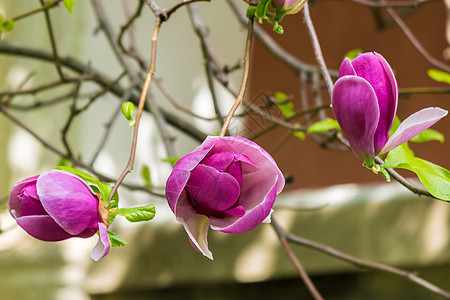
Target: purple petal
(103, 245)
(175, 185)
(376, 70)
(258, 156)
(43, 228)
(14, 201)
(257, 199)
(211, 190)
(68, 201)
(180, 175)
(413, 125)
(196, 226)
(30, 204)
(346, 68)
(356, 109)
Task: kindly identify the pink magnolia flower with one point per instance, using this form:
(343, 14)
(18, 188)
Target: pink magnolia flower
(288, 6)
(56, 206)
(365, 101)
(228, 184)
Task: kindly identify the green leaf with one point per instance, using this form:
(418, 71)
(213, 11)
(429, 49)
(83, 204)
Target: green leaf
(428, 135)
(300, 134)
(115, 240)
(171, 160)
(284, 105)
(352, 54)
(439, 76)
(324, 125)
(69, 4)
(128, 110)
(145, 172)
(136, 214)
(7, 25)
(436, 179)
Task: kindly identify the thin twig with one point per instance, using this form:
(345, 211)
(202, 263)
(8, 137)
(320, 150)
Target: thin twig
(361, 263)
(433, 61)
(202, 33)
(49, 4)
(305, 277)
(140, 109)
(101, 79)
(243, 88)
(317, 50)
(52, 42)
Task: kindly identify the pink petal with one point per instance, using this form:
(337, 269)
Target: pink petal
(14, 202)
(43, 228)
(257, 197)
(257, 155)
(211, 190)
(103, 245)
(196, 226)
(346, 68)
(355, 107)
(180, 175)
(68, 201)
(413, 125)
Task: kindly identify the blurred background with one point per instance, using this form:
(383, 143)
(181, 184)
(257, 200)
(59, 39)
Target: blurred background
(331, 198)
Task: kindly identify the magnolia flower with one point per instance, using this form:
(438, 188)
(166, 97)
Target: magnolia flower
(288, 6)
(365, 101)
(58, 205)
(228, 184)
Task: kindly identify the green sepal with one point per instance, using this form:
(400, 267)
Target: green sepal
(251, 11)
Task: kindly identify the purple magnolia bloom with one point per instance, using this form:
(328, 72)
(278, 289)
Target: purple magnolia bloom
(56, 206)
(365, 101)
(288, 6)
(228, 184)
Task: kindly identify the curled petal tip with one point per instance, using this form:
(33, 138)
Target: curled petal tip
(413, 125)
(103, 245)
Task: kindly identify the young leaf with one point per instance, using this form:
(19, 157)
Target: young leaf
(300, 134)
(352, 54)
(7, 25)
(171, 160)
(439, 76)
(128, 110)
(324, 125)
(435, 178)
(69, 4)
(145, 172)
(428, 135)
(116, 241)
(284, 105)
(136, 214)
